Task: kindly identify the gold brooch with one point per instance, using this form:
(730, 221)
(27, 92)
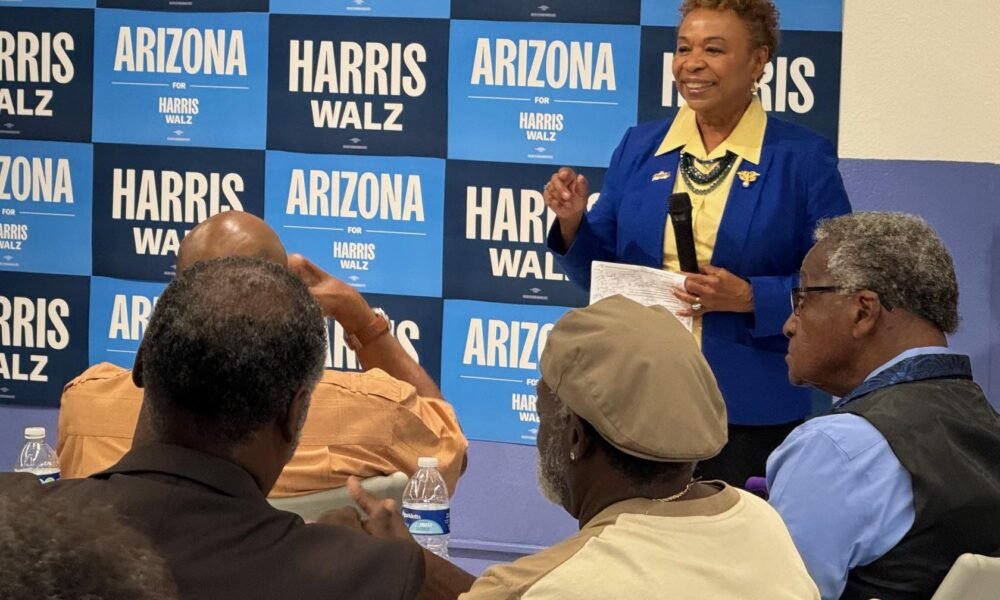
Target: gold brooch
(747, 177)
(661, 175)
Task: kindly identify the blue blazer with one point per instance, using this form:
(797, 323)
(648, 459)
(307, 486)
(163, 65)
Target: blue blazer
(765, 232)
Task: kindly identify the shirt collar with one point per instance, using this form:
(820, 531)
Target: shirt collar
(212, 471)
(716, 504)
(909, 354)
(745, 141)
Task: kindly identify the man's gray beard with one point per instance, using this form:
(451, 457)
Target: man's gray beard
(551, 478)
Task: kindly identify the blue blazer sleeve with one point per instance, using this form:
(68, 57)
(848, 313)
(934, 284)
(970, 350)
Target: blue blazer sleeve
(597, 237)
(825, 197)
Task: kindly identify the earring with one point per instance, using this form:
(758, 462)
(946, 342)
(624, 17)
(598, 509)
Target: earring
(572, 455)
(754, 88)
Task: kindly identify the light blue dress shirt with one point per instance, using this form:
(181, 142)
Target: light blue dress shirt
(843, 494)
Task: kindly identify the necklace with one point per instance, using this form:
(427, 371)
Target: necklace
(702, 183)
(686, 489)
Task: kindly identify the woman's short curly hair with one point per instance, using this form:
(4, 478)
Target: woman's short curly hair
(761, 18)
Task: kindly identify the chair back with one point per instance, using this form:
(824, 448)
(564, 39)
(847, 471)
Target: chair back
(311, 506)
(972, 577)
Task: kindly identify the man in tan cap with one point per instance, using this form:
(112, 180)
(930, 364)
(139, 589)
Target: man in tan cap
(627, 407)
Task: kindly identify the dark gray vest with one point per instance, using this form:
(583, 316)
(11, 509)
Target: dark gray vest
(947, 436)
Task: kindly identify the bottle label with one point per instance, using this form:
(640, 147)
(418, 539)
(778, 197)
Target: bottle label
(47, 477)
(427, 521)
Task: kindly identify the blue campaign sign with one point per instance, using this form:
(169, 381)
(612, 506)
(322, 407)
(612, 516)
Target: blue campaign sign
(146, 199)
(416, 323)
(358, 86)
(495, 231)
(540, 93)
(489, 366)
(374, 222)
(119, 314)
(624, 12)
(45, 207)
(801, 85)
(803, 15)
(180, 79)
(188, 5)
(364, 8)
(46, 67)
(43, 336)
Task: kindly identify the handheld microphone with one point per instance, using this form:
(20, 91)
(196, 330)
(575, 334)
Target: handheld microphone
(680, 217)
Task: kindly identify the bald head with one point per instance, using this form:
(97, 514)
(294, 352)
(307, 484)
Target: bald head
(231, 233)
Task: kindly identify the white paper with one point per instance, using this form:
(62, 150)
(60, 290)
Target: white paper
(645, 285)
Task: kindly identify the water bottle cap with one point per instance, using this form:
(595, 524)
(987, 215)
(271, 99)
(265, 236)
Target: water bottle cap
(34, 433)
(427, 462)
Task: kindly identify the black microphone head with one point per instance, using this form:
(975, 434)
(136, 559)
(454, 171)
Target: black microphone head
(679, 203)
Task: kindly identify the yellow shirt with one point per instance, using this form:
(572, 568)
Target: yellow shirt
(706, 210)
(362, 424)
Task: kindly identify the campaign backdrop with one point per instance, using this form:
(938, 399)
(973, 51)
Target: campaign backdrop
(401, 145)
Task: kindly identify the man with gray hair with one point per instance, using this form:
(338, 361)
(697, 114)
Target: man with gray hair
(883, 494)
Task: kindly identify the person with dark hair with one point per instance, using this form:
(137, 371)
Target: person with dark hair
(228, 364)
(52, 548)
(884, 494)
(757, 187)
(370, 423)
(627, 407)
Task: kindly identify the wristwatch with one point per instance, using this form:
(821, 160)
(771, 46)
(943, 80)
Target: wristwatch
(375, 329)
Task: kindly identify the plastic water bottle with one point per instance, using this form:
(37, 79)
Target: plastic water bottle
(37, 457)
(426, 509)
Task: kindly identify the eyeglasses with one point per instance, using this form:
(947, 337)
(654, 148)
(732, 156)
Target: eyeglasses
(798, 295)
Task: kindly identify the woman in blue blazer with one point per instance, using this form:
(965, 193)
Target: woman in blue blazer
(767, 197)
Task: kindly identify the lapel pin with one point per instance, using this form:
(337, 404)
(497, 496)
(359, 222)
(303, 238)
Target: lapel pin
(661, 175)
(747, 177)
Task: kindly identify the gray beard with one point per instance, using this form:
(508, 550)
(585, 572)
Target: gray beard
(551, 480)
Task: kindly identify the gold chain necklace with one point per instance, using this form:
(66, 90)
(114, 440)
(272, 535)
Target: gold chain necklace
(686, 489)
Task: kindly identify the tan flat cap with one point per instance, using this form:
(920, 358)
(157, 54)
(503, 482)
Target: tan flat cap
(635, 374)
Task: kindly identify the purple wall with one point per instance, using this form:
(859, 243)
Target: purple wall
(498, 513)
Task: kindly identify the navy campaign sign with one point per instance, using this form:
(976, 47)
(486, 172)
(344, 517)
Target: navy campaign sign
(146, 199)
(58, 3)
(342, 85)
(188, 5)
(495, 231)
(621, 12)
(45, 206)
(800, 85)
(43, 336)
(46, 73)
(416, 323)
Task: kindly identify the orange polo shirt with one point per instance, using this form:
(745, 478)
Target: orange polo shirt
(362, 424)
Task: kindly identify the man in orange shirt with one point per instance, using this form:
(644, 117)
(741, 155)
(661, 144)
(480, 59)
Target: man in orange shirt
(371, 423)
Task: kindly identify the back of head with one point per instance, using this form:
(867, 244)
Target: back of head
(231, 233)
(897, 255)
(53, 548)
(229, 345)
